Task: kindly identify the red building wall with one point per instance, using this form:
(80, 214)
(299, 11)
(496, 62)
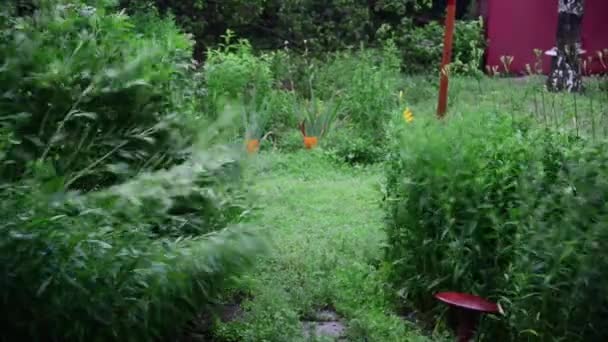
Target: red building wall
(517, 27)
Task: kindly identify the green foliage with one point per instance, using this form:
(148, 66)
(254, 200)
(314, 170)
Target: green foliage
(366, 81)
(422, 46)
(98, 101)
(328, 26)
(326, 252)
(232, 70)
(347, 144)
(291, 141)
(253, 119)
(206, 20)
(479, 203)
(280, 117)
(318, 116)
(74, 97)
(447, 202)
(307, 25)
(325, 26)
(358, 87)
(90, 267)
(559, 270)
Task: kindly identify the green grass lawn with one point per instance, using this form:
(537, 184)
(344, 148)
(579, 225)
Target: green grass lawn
(325, 222)
(585, 114)
(326, 226)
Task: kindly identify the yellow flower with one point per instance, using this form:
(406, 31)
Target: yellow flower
(408, 116)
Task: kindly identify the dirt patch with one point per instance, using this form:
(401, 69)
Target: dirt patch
(324, 323)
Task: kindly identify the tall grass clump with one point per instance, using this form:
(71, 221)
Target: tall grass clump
(451, 188)
(485, 205)
(558, 280)
(366, 80)
(114, 224)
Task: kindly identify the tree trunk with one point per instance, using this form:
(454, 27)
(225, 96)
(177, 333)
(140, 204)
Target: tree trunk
(566, 67)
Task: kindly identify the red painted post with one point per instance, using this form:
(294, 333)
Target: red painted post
(447, 58)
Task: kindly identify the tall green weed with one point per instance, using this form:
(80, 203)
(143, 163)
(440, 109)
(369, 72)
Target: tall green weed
(488, 205)
(114, 224)
(232, 70)
(366, 81)
(76, 98)
(134, 262)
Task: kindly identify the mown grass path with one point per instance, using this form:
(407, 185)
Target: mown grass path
(325, 225)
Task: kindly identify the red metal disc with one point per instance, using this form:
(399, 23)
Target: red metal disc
(468, 301)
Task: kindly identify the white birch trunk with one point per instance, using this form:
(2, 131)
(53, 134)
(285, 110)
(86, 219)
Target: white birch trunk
(566, 67)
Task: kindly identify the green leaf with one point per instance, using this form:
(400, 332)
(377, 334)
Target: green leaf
(43, 286)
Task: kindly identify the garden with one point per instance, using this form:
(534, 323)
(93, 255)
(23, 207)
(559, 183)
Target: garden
(271, 171)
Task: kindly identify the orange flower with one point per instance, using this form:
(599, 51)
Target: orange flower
(310, 142)
(253, 145)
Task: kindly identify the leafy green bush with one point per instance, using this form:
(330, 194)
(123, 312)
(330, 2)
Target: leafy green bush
(97, 101)
(235, 75)
(450, 189)
(84, 267)
(291, 141)
(347, 144)
(487, 206)
(332, 25)
(422, 46)
(209, 20)
(559, 278)
(306, 25)
(280, 116)
(318, 117)
(232, 70)
(73, 96)
(366, 81)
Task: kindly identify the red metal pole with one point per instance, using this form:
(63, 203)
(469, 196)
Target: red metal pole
(447, 58)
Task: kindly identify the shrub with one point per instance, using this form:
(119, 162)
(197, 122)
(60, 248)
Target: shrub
(366, 81)
(291, 141)
(274, 115)
(84, 267)
(559, 278)
(483, 205)
(209, 20)
(335, 24)
(94, 102)
(232, 70)
(347, 144)
(280, 116)
(421, 47)
(185, 87)
(234, 73)
(75, 97)
(450, 190)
